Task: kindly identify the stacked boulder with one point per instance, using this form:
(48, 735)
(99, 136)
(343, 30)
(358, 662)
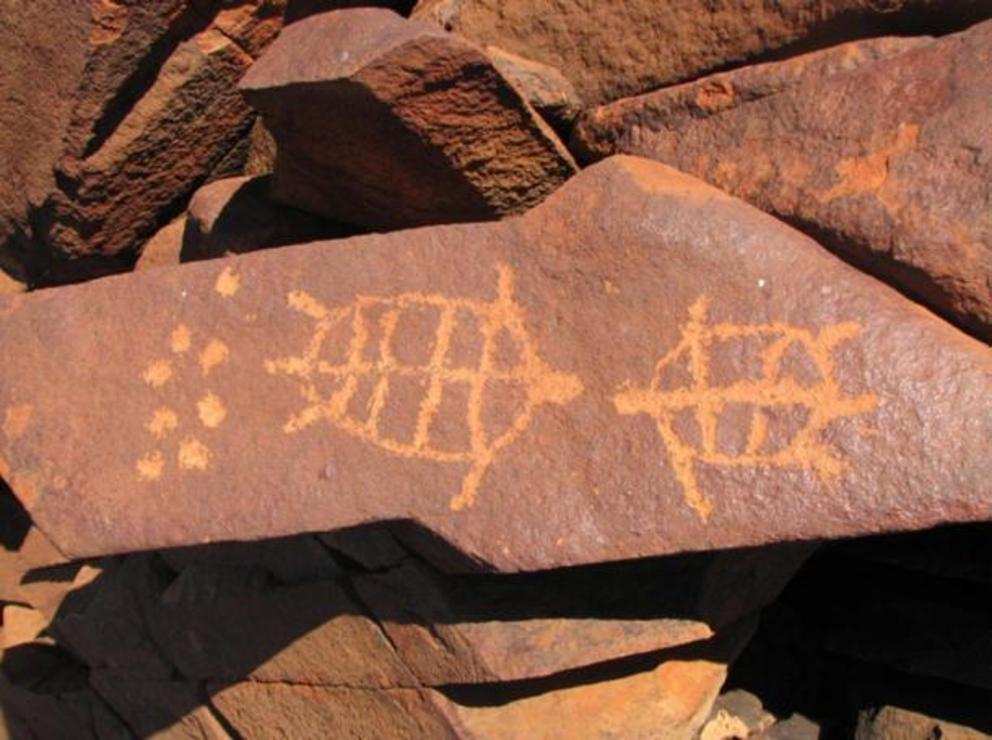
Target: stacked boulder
(522, 366)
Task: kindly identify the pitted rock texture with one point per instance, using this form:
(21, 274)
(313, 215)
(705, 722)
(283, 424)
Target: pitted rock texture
(384, 122)
(641, 365)
(889, 165)
(611, 50)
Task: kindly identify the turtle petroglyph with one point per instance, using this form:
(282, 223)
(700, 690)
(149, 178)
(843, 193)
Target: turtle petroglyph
(823, 400)
(330, 385)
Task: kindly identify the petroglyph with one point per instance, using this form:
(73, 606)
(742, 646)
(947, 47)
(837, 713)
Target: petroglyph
(334, 365)
(228, 282)
(16, 420)
(165, 423)
(823, 400)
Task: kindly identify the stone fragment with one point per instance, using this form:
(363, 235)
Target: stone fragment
(889, 165)
(895, 723)
(160, 709)
(139, 106)
(611, 50)
(736, 714)
(235, 215)
(482, 629)
(165, 248)
(558, 420)
(261, 157)
(547, 90)
(224, 624)
(671, 701)
(607, 129)
(298, 710)
(385, 123)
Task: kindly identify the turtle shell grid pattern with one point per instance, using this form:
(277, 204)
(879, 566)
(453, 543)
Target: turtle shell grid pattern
(539, 383)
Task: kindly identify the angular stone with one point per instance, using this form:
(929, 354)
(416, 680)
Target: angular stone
(670, 698)
(611, 50)
(580, 442)
(888, 723)
(160, 709)
(140, 106)
(235, 215)
(223, 624)
(165, 248)
(326, 711)
(889, 165)
(385, 123)
(476, 629)
(546, 88)
(607, 129)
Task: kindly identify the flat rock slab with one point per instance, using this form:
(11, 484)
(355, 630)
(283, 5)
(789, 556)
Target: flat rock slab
(642, 365)
(386, 123)
(890, 164)
(611, 50)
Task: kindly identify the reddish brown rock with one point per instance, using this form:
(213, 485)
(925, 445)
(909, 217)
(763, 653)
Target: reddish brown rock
(611, 128)
(642, 365)
(253, 709)
(139, 106)
(546, 89)
(165, 248)
(477, 629)
(236, 215)
(610, 50)
(226, 624)
(889, 165)
(383, 122)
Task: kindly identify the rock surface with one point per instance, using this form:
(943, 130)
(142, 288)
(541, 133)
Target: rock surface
(611, 50)
(235, 215)
(385, 123)
(723, 379)
(889, 165)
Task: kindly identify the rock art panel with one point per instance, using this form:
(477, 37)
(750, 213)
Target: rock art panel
(643, 365)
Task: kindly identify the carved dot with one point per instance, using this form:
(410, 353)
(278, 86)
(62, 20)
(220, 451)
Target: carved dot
(180, 339)
(228, 282)
(163, 421)
(150, 466)
(193, 455)
(214, 354)
(16, 420)
(211, 410)
(158, 373)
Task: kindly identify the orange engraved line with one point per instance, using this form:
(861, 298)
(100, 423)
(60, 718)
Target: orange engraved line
(543, 385)
(825, 400)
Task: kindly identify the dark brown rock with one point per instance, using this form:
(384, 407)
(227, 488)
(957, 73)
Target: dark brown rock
(229, 624)
(574, 447)
(236, 215)
(163, 709)
(611, 50)
(889, 165)
(476, 629)
(139, 106)
(328, 711)
(371, 547)
(891, 723)
(383, 122)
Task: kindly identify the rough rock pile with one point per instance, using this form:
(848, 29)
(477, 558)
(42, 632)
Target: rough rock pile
(671, 420)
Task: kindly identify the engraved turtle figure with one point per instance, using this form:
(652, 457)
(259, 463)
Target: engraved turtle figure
(823, 400)
(355, 346)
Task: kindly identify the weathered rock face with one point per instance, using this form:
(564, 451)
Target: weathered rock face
(385, 123)
(890, 165)
(721, 379)
(611, 50)
(142, 106)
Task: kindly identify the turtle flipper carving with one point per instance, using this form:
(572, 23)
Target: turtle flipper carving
(537, 382)
(824, 400)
